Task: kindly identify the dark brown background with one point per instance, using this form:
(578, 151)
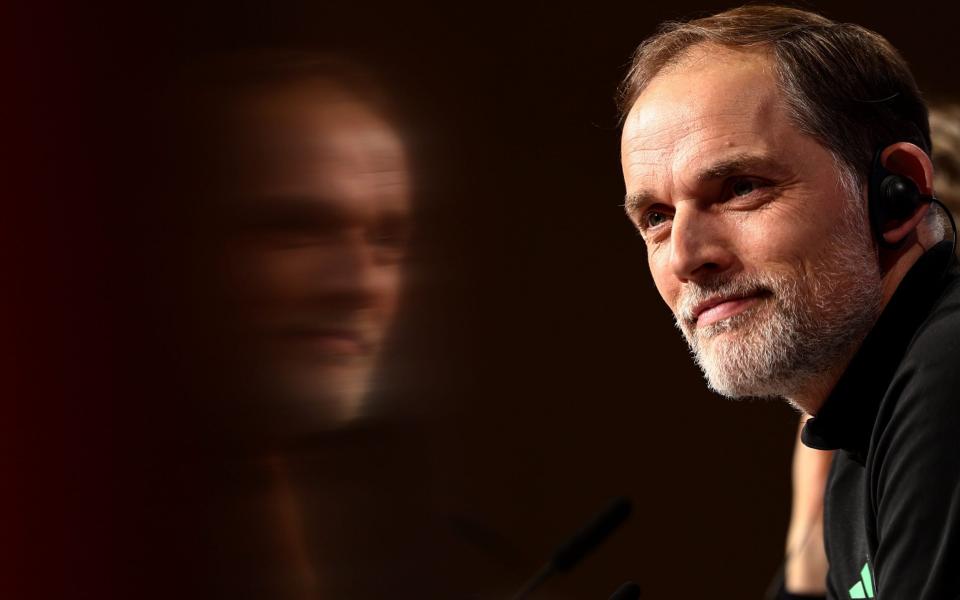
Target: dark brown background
(533, 339)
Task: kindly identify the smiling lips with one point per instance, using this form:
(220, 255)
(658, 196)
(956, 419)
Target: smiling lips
(340, 341)
(719, 307)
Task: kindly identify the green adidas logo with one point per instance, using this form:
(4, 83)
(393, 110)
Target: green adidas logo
(864, 587)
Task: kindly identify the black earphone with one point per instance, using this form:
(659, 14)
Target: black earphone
(892, 197)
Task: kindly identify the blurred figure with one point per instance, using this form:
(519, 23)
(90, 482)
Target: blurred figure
(945, 133)
(303, 193)
(805, 558)
(323, 197)
(282, 224)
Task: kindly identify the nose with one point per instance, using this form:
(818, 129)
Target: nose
(699, 244)
(348, 271)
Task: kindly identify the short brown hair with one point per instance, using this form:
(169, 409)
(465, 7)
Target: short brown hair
(844, 85)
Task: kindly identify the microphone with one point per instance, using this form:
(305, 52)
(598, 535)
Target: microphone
(568, 555)
(627, 591)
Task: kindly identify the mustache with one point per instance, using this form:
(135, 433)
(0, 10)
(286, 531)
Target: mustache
(739, 285)
(365, 329)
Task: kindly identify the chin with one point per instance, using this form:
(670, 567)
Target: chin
(743, 364)
(329, 398)
(740, 390)
(295, 401)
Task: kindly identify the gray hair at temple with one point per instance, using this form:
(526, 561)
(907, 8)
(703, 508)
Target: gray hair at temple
(844, 85)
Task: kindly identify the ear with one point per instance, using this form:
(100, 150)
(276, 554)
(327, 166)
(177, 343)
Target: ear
(904, 158)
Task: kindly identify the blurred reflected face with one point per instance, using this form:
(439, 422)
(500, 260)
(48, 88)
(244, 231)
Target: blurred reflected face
(322, 206)
(763, 257)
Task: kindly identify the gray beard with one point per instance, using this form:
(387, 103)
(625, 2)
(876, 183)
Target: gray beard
(799, 329)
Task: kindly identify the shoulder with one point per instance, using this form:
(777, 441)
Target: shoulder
(931, 363)
(913, 464)
(938, 338)
(917, 431)
(919, 418)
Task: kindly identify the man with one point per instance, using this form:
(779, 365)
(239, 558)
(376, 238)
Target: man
(290, 199)
(301, 195)
(753, 149)
(316, 263)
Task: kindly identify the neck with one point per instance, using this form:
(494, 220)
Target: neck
(812, 394)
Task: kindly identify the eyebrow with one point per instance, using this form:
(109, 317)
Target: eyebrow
(739, 163)
(634, 202)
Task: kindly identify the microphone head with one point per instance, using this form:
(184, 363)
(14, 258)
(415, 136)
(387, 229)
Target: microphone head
(627, 591)
(592, 535)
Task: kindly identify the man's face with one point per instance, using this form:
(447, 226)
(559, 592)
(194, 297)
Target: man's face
(320, 198)
(752, 239)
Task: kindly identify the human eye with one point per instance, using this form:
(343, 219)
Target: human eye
(654, 221)
(743, 187)
(746, 189)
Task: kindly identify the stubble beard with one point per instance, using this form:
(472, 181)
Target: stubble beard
(800, 326)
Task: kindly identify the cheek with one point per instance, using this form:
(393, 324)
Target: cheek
(667, 284)
(273, 277)
(284, 274)
(779, 237)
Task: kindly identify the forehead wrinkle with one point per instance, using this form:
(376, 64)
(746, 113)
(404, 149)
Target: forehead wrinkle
(688, 154)
(683, 138)
(669, 124)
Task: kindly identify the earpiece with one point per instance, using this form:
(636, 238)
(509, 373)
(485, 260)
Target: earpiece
(891, 197)
(899, 196)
